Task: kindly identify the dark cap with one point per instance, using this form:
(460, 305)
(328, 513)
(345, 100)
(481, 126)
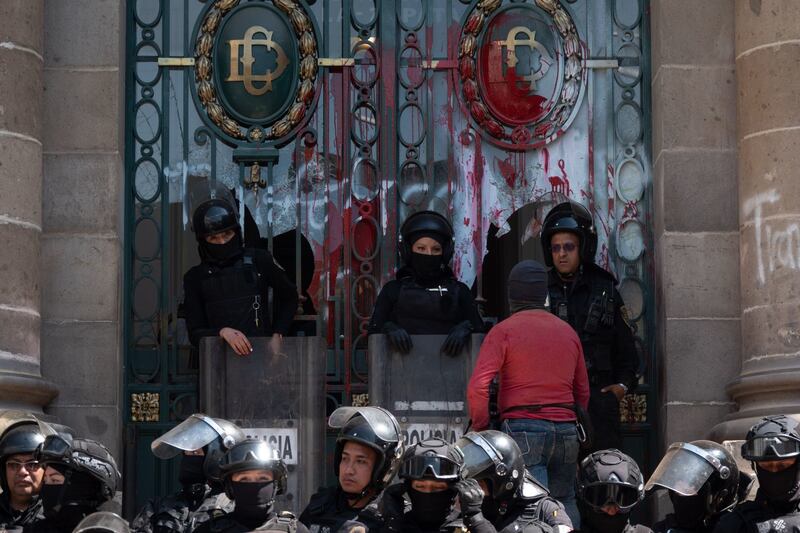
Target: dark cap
(527, 285)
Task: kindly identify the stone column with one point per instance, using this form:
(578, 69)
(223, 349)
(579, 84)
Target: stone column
(768, 134)
(21, 384)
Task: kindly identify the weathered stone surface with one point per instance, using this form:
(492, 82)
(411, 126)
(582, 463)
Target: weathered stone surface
(69, 349)
(701, 190)
(690, 422)
(769, 89)
(761, 22)
(21, 179)
(700, 273)
(694, 108)
(701, 358)
(19, 271)
(98, 422)
(19, 335)
(769, 261)
(21, 23)
(82, 192)
(768, 166)
(20, 92)
(86, 40)
(80, 276)
(82, 110)
(773, 329)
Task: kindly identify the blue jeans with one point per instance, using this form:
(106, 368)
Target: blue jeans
(551, 456)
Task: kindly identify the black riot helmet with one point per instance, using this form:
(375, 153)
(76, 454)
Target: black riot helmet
(253, 454)
(432, 459)
(495, 457)
(214, 435)
(609, 476)
(375, 428)
(702, 469)
(426, 224)
(102, 522)
(83, 456)
(214, 216)
(22, 438)
(571, 217)
(775, 438)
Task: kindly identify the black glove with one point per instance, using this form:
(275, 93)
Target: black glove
(457, 338)
(393, 506)
(470, 496)
(397, 337)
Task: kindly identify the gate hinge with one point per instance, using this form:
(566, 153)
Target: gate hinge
(175, 61)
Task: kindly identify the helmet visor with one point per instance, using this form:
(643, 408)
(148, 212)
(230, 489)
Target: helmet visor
(601, 494)
(682, 470)
(102, 521)
(192, 434)
(421, 466)
(479, 455)
(259, 452)
(770, 448)
(382, 422)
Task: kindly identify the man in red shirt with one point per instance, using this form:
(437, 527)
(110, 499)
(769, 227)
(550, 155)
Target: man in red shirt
(540, 364)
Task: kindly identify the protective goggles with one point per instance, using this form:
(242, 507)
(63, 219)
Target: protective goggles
(257, 452)
(601, 494)
(770, 447)
(54, 449)
(432, 466)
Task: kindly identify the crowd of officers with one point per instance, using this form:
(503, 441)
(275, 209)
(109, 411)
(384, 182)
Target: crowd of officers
(54, 481)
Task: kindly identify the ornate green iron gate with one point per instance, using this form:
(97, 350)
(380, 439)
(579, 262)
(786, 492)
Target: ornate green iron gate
(487, 111)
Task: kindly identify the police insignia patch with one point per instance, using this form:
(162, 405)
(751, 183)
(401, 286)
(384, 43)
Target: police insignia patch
(626, 317)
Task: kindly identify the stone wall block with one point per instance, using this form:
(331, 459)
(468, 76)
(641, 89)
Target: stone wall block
(87, 40)
(21, 23)
(21, 180)
(769, 165)
(683, 41)
(695, 348)
(81, 193)
(19, 335)
(685, 423)
(82, 111)
(20, 90)
(769, 89)
(79, 277)
(97, 422)
(69, 348)
(772, 330)
(700, 273)
(769, 265)
(19, 270)
(760, 22)
(701, 191)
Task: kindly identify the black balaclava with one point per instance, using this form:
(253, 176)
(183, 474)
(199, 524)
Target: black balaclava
(527, 286)
(604, 522)
(67, 504)
(221, 254)
(253, 501)
(431, 509)
(427, 267)
(690, 511)
(191, 471)
(779, 487)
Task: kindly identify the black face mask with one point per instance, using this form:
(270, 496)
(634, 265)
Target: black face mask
(605, 523)
(60, 507)
(778, 486)
(431, 508)
(191, 472)
(220, 253)
(253, 501)
(690, 511)
(426, 266)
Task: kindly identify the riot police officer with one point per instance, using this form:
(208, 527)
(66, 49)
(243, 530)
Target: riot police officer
(429, 472)
(81, 477)
(367, 455)
(702, 479)
(426, 298)
(608, 487)
(227, 293)
(253, 475)
(496, 495)
(585, 295)
(201, 441)
(20, 474)
(773, 445)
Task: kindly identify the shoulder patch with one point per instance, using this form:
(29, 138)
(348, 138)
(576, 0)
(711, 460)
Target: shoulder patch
(623, 310)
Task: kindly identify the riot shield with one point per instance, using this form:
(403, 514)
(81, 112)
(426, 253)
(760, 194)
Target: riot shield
(424, 389)
(279, 398)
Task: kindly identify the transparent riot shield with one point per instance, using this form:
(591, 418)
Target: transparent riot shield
(424, 389)
(279, 398)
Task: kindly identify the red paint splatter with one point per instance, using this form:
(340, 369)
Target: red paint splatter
(560, 184)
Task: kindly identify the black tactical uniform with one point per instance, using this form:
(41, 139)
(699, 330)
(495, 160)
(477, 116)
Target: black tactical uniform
(609, 478)
(591, 304)
(181, 512)
(776, 508)
(229, 288)
(703, 481)
(512, 505)
(329, 510)
(426, 299)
